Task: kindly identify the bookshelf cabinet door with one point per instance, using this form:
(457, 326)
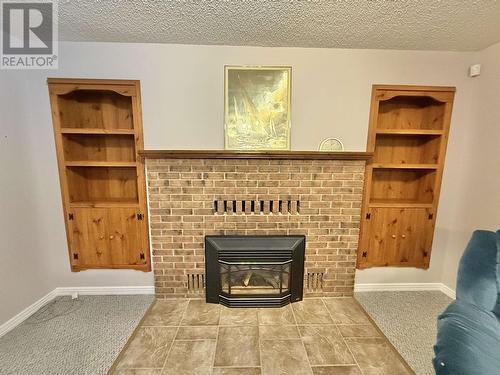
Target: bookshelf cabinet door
(107, 238)
(397, 237)
(88, 237)
(414, 242)
(126, 242)
(379, 236)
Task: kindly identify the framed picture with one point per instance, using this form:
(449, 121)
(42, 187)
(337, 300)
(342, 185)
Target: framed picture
(257, 107)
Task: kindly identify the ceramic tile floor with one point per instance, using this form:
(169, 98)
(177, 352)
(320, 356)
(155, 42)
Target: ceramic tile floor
(322, 336)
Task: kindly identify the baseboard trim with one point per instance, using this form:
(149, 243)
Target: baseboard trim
(448, 291)
(68, 291)
(105, 290)
(26, 313)
(401, 287)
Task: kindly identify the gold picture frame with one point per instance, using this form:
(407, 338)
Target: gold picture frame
(257, 107)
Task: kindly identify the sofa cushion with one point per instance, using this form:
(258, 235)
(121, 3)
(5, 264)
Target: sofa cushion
(468, 341)
(497, 307)
(477, 281)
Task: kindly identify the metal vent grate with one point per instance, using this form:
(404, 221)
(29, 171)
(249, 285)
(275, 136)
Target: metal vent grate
(266, 207)
(314, 281)
(195, 282)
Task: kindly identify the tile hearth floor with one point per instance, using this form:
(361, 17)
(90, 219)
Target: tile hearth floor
(321, 336)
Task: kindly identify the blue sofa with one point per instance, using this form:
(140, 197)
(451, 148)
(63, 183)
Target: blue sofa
(468, 339)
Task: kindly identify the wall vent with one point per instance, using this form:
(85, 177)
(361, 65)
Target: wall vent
(195, 282)
(248, 207)
(314, 281)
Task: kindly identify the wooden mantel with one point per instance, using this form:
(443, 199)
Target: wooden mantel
(277, 155)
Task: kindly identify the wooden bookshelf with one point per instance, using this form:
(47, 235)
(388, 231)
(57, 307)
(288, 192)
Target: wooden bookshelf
(98, 130)
(408, 134)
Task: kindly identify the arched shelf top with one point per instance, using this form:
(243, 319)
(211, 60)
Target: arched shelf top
(415, 100)
(437, 94)
(63, 86)
(384, 97)
(69, 89)
(95, 104)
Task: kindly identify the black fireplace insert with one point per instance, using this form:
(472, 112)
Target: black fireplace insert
(254, 271)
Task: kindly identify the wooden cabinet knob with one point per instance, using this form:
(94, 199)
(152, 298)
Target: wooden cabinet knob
(403, 236)
(393, 236)
(101, 237)
(111, 237)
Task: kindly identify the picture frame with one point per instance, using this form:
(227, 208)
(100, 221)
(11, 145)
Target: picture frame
(257, 107)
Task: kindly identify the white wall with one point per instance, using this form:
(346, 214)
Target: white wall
(478, 185)
(23, 277)
(182, 92)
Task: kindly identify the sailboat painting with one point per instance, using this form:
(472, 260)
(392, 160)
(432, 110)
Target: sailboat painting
(257, 108)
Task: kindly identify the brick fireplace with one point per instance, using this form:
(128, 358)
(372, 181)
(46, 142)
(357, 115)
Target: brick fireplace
(192, 197)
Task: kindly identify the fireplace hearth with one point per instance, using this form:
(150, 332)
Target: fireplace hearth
(254, 271)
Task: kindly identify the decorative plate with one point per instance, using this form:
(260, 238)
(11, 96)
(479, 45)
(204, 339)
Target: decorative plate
(331, 144)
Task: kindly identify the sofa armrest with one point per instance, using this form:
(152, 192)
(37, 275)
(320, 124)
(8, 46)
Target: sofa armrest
(468, 341)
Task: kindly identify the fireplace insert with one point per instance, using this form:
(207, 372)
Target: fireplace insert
(254, 271)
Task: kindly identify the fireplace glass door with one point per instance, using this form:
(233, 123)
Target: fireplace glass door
(255, 278)
(254, 271)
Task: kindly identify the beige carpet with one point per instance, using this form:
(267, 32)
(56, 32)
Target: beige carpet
(77, 337)
(408, 320)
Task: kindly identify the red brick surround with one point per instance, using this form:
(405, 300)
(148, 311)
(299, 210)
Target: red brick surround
(320, 199)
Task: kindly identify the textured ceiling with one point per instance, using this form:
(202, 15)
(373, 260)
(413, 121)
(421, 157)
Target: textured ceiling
(461, 25)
